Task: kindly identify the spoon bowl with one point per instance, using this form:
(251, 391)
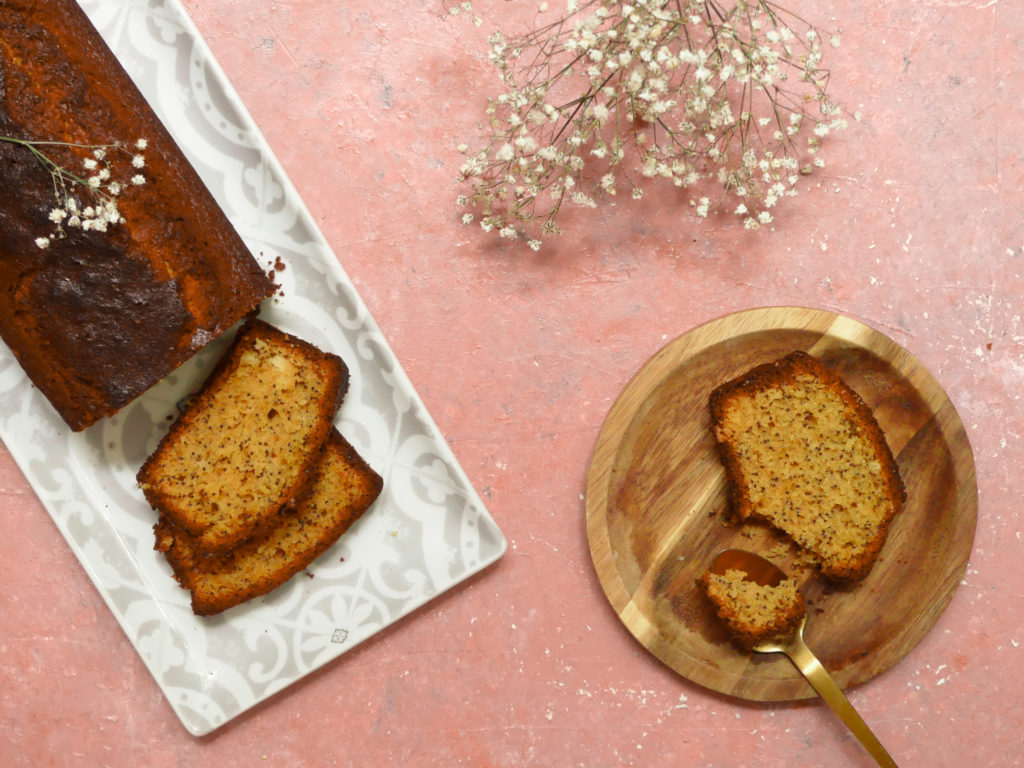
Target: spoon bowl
(765, 573)
(758, 569)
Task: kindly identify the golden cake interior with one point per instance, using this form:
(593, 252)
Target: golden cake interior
(754, 613)
(803, 452)
(802, 456)
(247, 442)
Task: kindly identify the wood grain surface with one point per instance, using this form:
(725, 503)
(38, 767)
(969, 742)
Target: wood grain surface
(657, 511)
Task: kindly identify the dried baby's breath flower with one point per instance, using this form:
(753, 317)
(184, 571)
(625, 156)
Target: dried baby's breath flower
(699, 93)
(96, 181)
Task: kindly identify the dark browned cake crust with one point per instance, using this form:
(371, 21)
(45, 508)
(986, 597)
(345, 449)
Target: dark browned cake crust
(803, 452)
(247, 444)
(97, 318)
(344, 488)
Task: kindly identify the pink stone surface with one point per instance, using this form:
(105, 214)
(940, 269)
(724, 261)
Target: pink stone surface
(915, 228)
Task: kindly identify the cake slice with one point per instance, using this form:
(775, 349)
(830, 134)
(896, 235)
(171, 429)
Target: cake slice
(754, 613)
(249, 441)
(344, 488)
(803, 452)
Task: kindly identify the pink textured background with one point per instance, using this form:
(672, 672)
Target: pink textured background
(915, 227)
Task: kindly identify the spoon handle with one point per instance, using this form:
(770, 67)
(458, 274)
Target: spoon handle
(826, 687)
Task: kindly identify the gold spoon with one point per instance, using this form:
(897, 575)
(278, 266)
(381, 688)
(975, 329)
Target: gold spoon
(766, 573)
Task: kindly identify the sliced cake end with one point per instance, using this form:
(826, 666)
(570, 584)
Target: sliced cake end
(344, 488)
(248, 442)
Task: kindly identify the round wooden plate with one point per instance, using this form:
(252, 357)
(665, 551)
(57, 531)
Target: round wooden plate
(656, 506)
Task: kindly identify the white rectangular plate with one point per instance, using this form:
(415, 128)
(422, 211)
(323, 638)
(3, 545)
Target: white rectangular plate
(427, 532)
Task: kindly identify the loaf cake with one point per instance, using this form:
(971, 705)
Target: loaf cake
(803, 452)
(247, 443)
(344, 488)
(97, 317)
(752, 612)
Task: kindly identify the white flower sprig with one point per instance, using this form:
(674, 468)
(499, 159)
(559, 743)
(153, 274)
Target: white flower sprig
(100, 210)
(700, 93)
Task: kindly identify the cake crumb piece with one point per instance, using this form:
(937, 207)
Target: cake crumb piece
(754, 613)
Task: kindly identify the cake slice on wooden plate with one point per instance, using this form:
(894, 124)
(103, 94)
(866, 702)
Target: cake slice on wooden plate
(803, 452)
